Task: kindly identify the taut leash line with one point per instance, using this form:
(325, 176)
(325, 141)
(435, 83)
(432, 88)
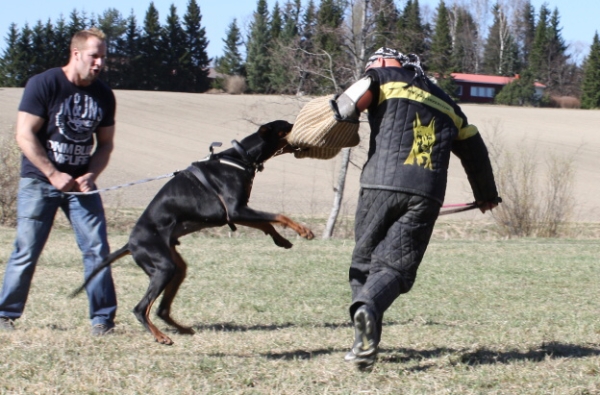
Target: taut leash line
(123, 185)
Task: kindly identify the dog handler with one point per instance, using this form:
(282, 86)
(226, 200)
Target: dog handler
(64, 113)
(414, 127)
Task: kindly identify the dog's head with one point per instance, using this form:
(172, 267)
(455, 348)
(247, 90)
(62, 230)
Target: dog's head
(268, 141)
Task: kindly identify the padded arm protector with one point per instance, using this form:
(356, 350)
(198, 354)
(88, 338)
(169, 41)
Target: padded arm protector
(474, 157)
(344, 105)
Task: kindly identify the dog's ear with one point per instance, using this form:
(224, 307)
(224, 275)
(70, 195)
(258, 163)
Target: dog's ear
(264, 129)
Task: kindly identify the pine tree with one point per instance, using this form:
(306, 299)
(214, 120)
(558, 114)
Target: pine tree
(127, 56)
(291, 21)
(276, 22)
(113, 25)
(38, 49)
(464, 51)
(386, 20)
(257, 52)
(499, 56)
(525, 33)
(411, 32)
(62, 43)
(150, 50)
(10, 73)
(173, 54)
(78, 22)
(520, 92)
(197, 44)
(231, 63)
(590, 86)
(538, 55)
(440, 56)
(329, 19)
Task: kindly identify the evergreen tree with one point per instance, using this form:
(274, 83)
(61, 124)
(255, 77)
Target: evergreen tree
(329, 60)
(499, 56)
(257, 50)
(386, 19)
(276, 22)
(173, 54)
(329, 19)
(538, 55)
(62, 43)
(231, 63)
(10, 73)
(113, 25)
(464, 51)
(411, 32)
(38, 49)
(440, 56)
(590, 87)
(127, 56)
(150, 50)
(25, 58)
(520, 92)
(197, 43)
(78, 22)
(291, 21)
(525, 32)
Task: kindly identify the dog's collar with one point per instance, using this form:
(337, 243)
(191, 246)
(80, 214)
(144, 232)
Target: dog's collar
(246, 158)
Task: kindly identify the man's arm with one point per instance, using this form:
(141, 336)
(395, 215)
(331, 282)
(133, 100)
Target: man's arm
(27, 127)
(99, 160)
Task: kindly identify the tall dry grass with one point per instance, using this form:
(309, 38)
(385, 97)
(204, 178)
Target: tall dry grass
(10, 163)
(537, 193)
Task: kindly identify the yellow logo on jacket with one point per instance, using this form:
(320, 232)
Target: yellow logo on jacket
(424, 139)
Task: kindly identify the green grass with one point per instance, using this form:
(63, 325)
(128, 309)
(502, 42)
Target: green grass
(484, 317)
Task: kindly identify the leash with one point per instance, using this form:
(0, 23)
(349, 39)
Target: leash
(457, 208)
(123, 185)
(460, 207)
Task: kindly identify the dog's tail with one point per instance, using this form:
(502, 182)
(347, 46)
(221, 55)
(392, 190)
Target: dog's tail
(120, 253)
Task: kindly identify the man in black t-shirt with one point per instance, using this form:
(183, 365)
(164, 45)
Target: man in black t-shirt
(65, 128)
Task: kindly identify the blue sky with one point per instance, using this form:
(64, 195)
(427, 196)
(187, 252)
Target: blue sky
(579, 19)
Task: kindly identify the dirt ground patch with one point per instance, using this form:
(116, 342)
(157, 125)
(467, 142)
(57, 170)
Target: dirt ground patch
(160, 132)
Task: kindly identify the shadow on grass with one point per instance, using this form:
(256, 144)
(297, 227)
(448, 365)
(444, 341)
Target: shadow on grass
(484, 356)
(231, 327)
(545, 350)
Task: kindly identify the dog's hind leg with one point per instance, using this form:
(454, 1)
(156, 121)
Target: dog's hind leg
(164, 309)
(157, 263)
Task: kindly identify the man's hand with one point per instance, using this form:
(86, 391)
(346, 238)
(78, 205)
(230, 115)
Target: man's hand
(61, 181)
(485, 206)
(85, 183)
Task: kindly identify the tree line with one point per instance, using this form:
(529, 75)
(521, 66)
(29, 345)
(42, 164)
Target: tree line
(320, 48)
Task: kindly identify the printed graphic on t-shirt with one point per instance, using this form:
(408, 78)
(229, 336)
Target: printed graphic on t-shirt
(424, 139)
(78, 117)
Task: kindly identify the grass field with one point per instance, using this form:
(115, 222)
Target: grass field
(485, 317)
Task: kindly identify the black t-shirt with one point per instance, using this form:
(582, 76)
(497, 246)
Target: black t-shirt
(72, 116)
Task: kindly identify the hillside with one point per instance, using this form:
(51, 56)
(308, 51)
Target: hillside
(160, 132)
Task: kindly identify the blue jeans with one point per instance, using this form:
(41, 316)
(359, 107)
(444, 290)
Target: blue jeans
(37, 205)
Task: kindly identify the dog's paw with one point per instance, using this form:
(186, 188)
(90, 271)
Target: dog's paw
(307, 233)
(164, 339)
(282, 242)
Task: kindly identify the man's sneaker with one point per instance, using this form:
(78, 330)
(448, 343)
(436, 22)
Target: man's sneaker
(6, 324)
(364, 350)
(102, 329)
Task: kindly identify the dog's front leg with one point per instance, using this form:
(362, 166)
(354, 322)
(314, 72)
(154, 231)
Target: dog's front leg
(262, 220)
(268, 229)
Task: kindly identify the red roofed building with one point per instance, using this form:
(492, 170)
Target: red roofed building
(478, 88)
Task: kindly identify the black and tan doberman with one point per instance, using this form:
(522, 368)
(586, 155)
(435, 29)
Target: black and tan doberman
(210, 193)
